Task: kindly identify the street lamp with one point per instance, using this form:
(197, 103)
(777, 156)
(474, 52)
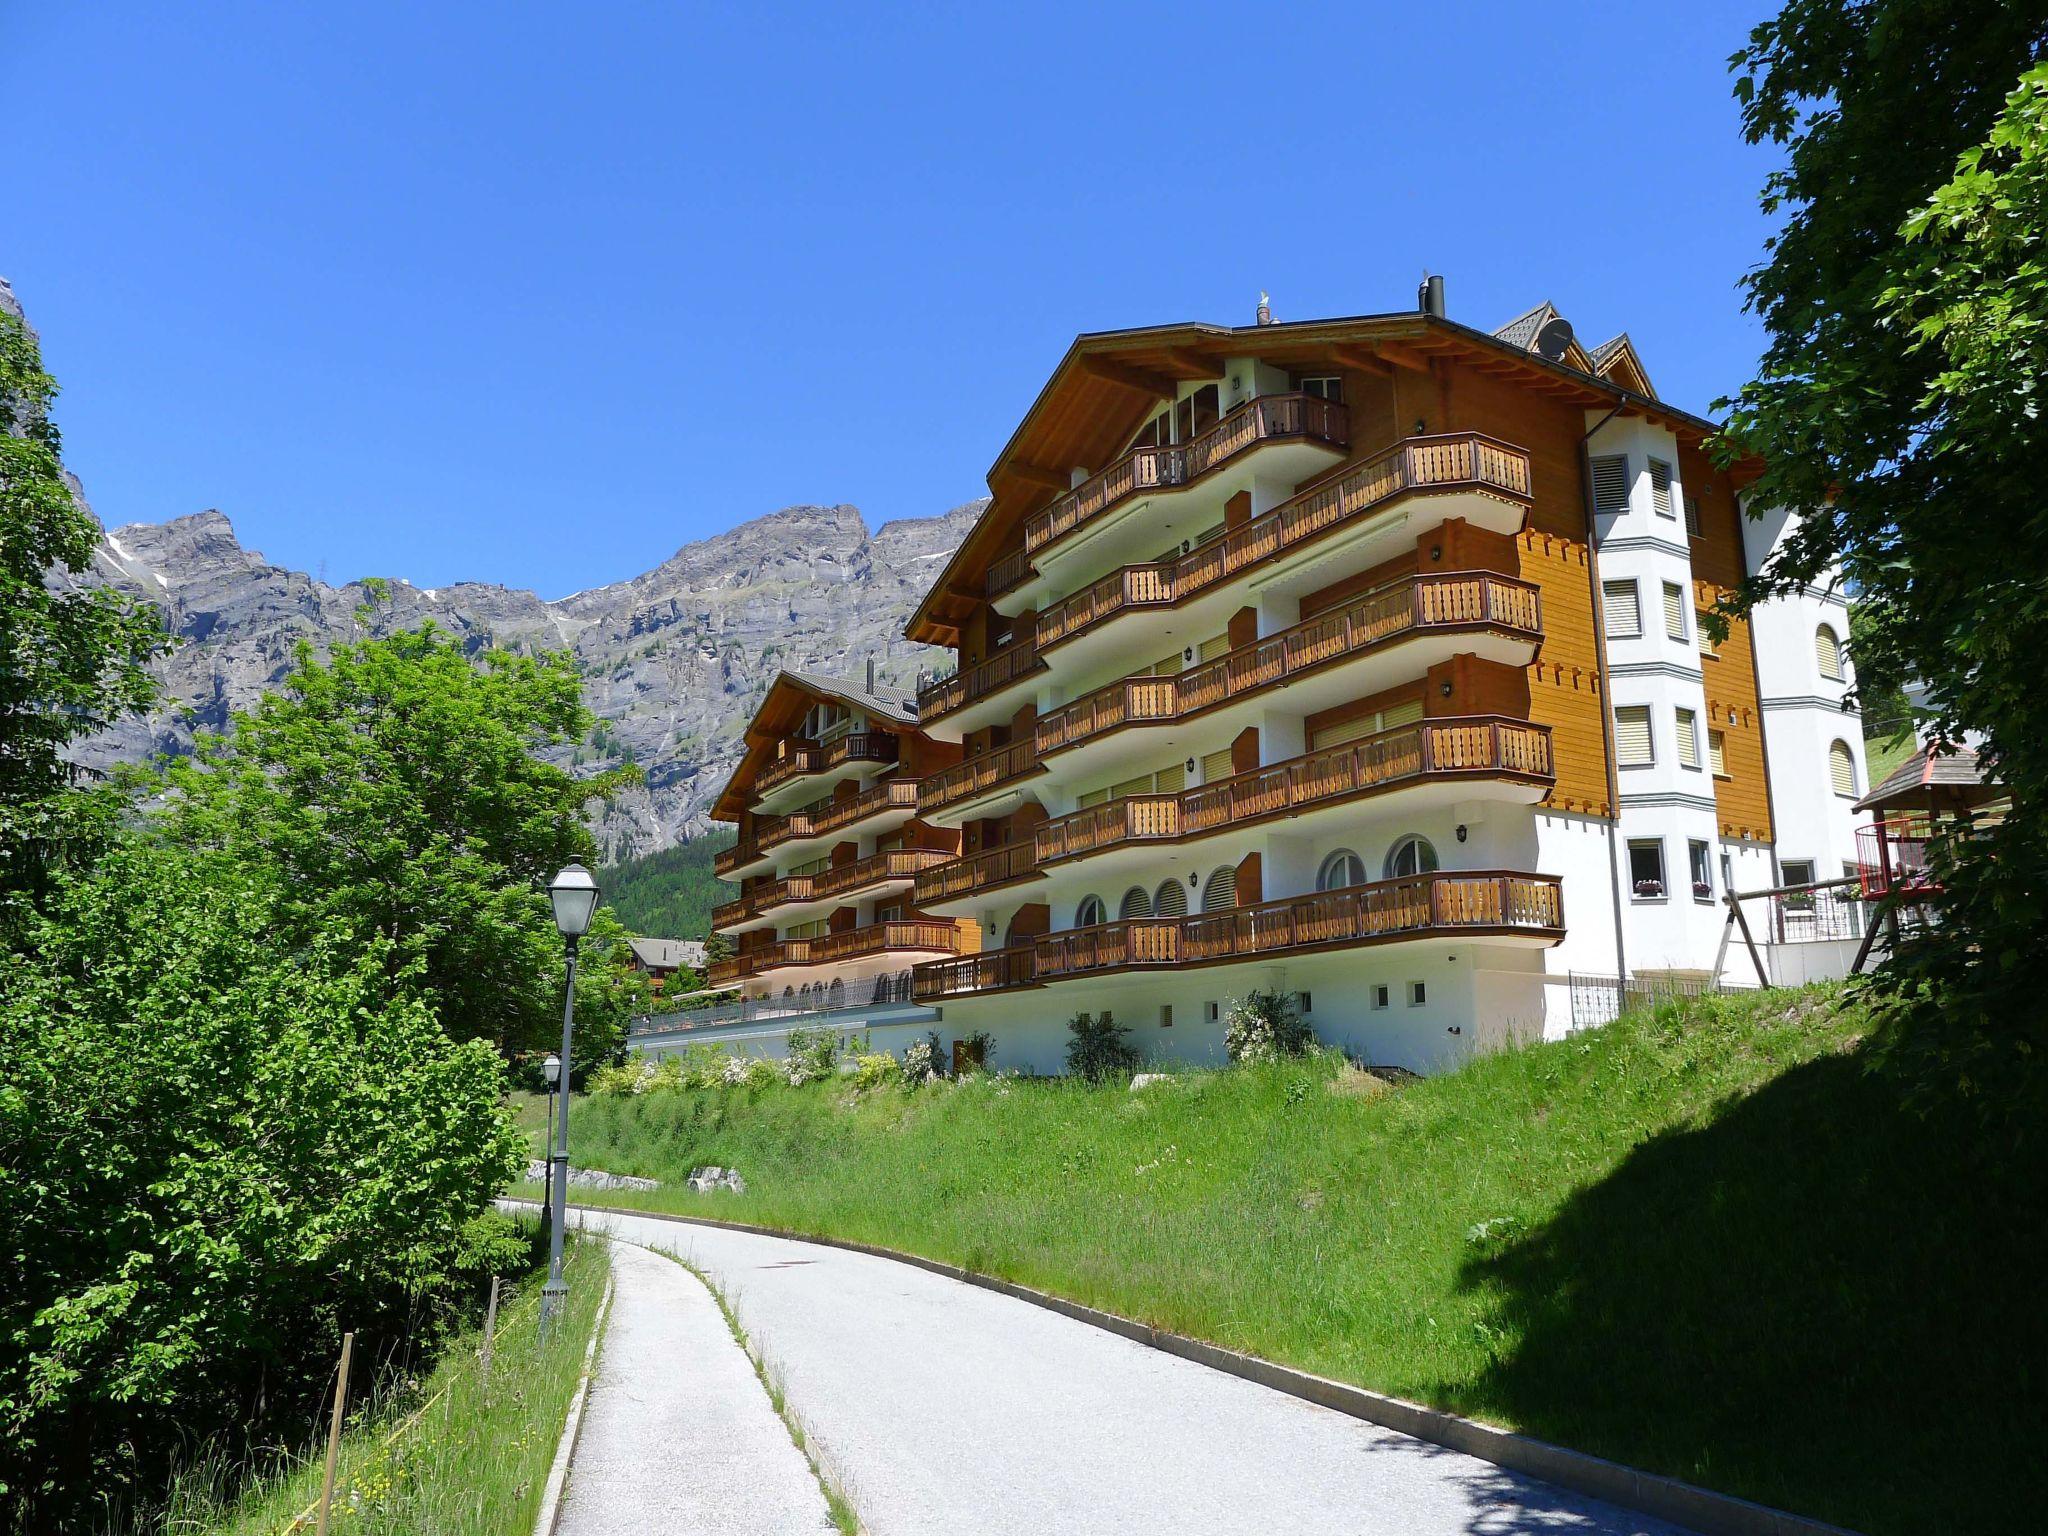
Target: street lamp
(551, 1069)
(574, 895)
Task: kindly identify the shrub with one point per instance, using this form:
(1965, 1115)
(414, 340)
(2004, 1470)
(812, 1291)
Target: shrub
(622, 1081)
(1098, 1047)
(981, 1049)
(1265, 1026)
(922, 1062)
(813, 1054)
(871, 1069)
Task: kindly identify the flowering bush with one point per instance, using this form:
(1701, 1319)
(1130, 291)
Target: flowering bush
(871, 1069)
(1265, 1026)
(813, 1054)
(622, 1080)
(922, 1062)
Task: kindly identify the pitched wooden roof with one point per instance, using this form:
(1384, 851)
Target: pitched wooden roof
(782, 709)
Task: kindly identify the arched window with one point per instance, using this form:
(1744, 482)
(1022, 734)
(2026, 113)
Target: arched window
(1219, 891)
(1411, 855)
(1170, 900)
(835, 995)
(1827, 650)
(1842, 769)
(789, 991)
(1340, 869)
(1090, 912)
(1135, 903)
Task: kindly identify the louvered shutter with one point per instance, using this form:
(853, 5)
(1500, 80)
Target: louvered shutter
(1699, 628)
(1660, 488)
(1211, 648)
(1343, 731)
(1688, 739)
(1842, 767)
(1692, 516)
(1171, 900)
(1610, 484)
(1632, 735)
(1624, 614)
(1827, 650)
(1219, 891)
(1216, 765)
(1717, 753)
(1171, 781)
(1674, 610)
(1409, 713)
(1093, 797)
(1141, 785)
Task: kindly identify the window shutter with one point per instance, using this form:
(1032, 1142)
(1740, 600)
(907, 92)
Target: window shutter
(1717, 753)
(1219, 891)
(1688, 739)
(1699, 627)
(1624, 615)
(1396, 715)
(1842, 767)
(1216, 765)
(1660, 488)
(1610, 484)
(1827, 650)
(1171, 781)
(1141, 785)
(1692, 516)
(1632, 736)
(1345, 730)
(1674, 610)
(1092, 798)
(1171, 900)
(1211, 648)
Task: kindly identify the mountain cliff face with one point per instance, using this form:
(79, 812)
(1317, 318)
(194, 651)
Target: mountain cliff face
(674, 661)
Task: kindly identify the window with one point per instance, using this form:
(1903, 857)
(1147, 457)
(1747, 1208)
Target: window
(1340, 869)
(1688, 740)
(1717, 754)
(1692, 516)
(1610, 484)
(1827, 650)
(1624, 614)
(1198, 413)
(1090, 912)
(1646, 868)
(1632, 746)
(1660, 488)
(1166, 1015)
(1842, 770)
(1674, 610)
(1329, 387)
(1380, 996)
(1411, 855)
(1170, 900)
(1699, 627)
(1797, 871)
(1210, 1012)
(1219, 891)
(1211, 648)
(1701, 859)
(1418, 993)
(1135, 903)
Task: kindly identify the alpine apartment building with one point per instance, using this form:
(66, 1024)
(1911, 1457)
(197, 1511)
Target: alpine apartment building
(1360, 660)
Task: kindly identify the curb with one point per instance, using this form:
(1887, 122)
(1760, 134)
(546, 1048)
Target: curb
(1648, 1493)
(550, 1514)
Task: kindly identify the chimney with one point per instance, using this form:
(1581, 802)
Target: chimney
(871, 674)
(1429, 296)
(1265, 308)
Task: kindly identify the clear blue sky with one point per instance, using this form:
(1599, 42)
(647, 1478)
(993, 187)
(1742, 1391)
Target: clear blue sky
(534, 294)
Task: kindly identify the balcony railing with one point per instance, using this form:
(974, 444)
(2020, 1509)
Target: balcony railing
(826, 816)
(976, 872)
(875, 869)
(1490, 901)
(946, 694)
(1465, 460)
(976, 776)
(1464, 746)
(1418, 603)
(738, 856)
(854, 943)
(1266, 419)
(1011, 570)
(858, 746)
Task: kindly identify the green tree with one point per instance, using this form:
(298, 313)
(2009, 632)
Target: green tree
(219, 1152)
(1897, 409)
(73, 656)
(395, 794)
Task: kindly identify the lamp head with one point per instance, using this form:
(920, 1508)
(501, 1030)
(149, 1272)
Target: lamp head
(551, 1069)
(574, 895)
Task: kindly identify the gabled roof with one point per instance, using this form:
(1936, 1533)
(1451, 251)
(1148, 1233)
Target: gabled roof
(892, 703)
(667, 954)
(782, 709)
(1618, 360)
(1548, 334)
(1930, 770)
(1521, 331)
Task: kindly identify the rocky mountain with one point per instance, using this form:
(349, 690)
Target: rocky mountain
(674, 661)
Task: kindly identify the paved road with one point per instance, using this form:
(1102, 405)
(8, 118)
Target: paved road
(678, 1433)
(945, 1408)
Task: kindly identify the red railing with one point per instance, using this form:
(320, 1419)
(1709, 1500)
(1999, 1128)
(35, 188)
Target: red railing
(1892, 856)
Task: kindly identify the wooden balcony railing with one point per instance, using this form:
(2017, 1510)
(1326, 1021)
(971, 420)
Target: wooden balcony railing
(976, 872)
(1007, 572)
(828, 815)
(738, 856)
(976, 776)
(723, 973)
(1266, 419)
(946, 694)
(726, 913)
(857, 746)
(1464, 460)
(1481, 745)
(854, 943)
(1480, 901)
(1464, 600)
(875, 869)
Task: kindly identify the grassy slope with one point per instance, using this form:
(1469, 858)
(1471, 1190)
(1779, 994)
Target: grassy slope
(669, 894)
(475, 1462)
(1709, 1243)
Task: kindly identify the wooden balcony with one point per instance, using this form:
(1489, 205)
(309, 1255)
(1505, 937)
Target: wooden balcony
(1418, 604)
(1269, 418)
(1476, 903)
(857, 943)
(1434, 465)
(723, 973)
(944, 695)
(977, 776)
(738, 856)
(976, 872)
(808, 757)
(1478, 746)
(1010, 571)
(822, 817)
(844, 880)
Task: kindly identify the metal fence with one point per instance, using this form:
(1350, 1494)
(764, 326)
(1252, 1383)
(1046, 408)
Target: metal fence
(803, 1002)
(1600, 999)
(1822, 912)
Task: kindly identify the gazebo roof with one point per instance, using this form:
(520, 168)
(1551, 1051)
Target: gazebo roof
(1951, 773)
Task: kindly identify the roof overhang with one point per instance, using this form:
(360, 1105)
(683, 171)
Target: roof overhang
(788, 699)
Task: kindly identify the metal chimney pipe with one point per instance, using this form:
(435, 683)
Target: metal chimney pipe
(1429, 295)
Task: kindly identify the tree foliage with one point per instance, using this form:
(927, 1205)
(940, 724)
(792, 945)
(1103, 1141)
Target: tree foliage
(670, 893)
(1898, 412)
(73, 657)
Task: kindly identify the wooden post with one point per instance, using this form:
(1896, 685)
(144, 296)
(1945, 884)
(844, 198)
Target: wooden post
(1762, 976)
(490, 1332)
(348, 1346)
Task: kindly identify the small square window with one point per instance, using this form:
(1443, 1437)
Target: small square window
(1418, 993)
(1302, 1001)
(1379, 996)
(1209, 1012)
(1646, 868)
(1166, 1015)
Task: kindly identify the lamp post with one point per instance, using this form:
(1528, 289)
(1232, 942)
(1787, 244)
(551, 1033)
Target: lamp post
(551, 1069)
(574, 895)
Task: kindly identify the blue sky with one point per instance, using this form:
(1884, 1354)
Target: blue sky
(535, 294)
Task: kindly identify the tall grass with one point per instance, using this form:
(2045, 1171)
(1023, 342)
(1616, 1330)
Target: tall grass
(448, 1455)
(1706, 1241)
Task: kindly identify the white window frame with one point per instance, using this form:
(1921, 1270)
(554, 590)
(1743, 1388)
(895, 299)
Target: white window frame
(1663, 869)
(1661, 500)
(1649, 735)
(1686, 734)
(1610, 590)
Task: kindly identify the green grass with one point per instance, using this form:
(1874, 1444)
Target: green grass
(1709, 1242)
(1882, 754)
(474, 1462)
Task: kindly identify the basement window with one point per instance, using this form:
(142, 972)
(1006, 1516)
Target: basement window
(1418, 993)
(1380, 996)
